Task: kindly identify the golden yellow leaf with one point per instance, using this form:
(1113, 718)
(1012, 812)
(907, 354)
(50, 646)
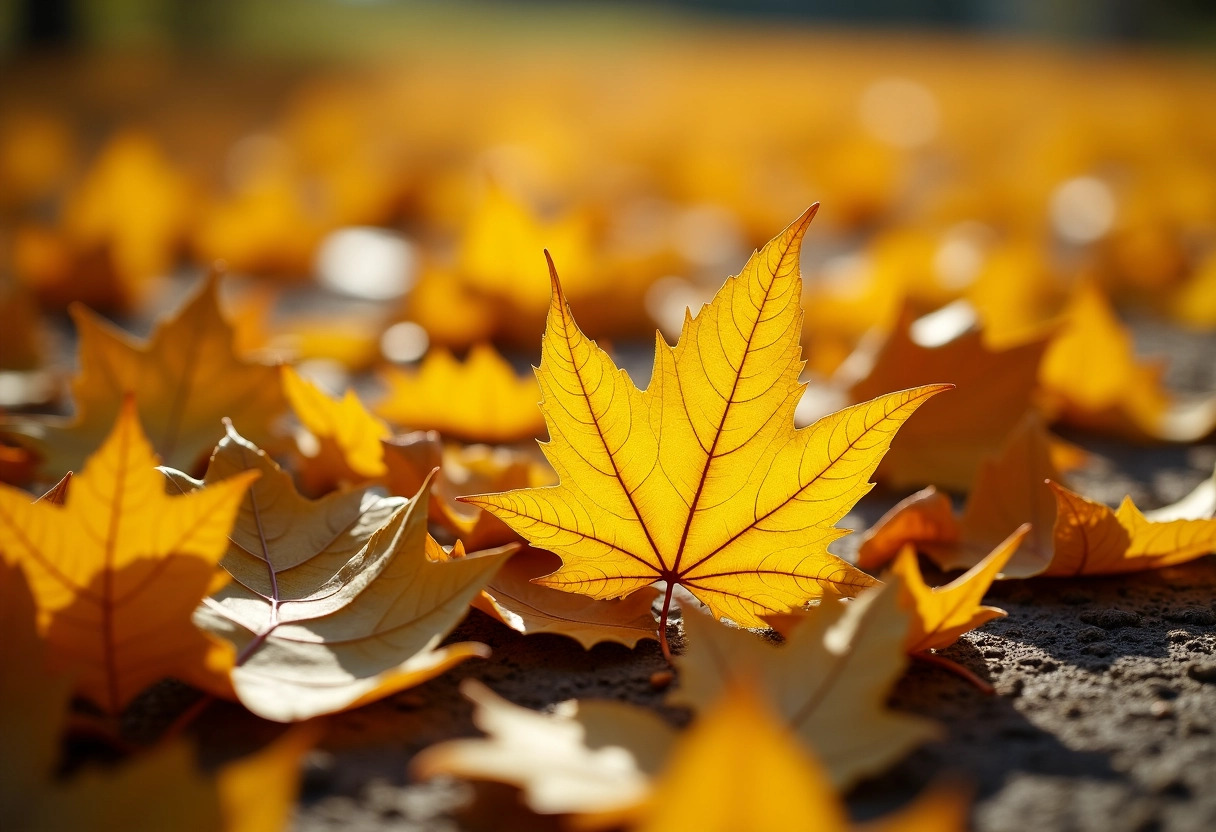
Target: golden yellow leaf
(463, 469)
(1094, 379)
(333, 602)
(1091, 539)
(706, 788)
(939, 615)
(479, 400)
(954, 433)
(185, 379)
(117, 569)
(702, 480)
(347, 436)
(258, 793)
(836, 669)
(588, 758)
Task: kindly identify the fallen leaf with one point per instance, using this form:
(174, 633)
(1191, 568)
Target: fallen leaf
(347, 437)
(258, 792)
(514, 599)
(939, 615)
(118, 567)
(333, 602)
(836, 669)
(463, 470)
(1009, 490)
(185, 378)
(588, 758)
(1095, 380)
(947, 443)
(479, 400)
(1091, 539)
(708, 786)
(733, 503)
(1069, 535)
(157, 791)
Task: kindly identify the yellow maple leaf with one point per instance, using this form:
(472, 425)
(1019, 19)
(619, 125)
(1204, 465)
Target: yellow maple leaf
(118, 568)
(705, 788)
(702, 480)
(185, 379)
(479, 400)
(946, 444)
(347, 436)
(939, 615)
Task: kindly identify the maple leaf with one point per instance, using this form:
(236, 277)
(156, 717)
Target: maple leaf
(333, 602)
(347, 436)
(513, 598)
(954, 433)
(1094, 379)
(117, 569)
(185, 378)
(588, 758)
(479, 400)
(463, 470)
(705, 787)
(1075, 535)
(836, 669)
(939, 615)
(702, 480)
(160, 790)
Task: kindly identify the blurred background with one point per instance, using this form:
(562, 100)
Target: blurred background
(380, 178)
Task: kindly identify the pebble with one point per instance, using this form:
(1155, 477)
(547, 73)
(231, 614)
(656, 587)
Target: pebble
(1088, 635)
(1161, 709)
(1112, 619)
(1199, 616)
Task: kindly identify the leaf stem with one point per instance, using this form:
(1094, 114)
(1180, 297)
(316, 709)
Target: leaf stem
(663, 645)
(957, 669)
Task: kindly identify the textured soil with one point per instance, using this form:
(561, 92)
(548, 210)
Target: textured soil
(1104, 716)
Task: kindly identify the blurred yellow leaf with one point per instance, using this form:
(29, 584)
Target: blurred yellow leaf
(116, 569)
(347, 436)
(702, 480)
(946, 444)
(705, 788)
(258, 793)
(479, 400)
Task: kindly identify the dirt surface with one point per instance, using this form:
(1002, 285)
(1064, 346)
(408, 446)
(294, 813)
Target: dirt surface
(1104, 716)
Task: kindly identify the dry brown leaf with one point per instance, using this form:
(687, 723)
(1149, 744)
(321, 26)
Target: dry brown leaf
(333, 602)
(836, 669)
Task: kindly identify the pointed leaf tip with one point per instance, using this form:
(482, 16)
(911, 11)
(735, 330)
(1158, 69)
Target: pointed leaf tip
(558, 294)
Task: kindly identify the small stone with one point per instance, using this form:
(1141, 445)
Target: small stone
(1161, 709)
(1202, 672)
(1113, 619)
(1030, 661)
(1048, 666)
(1090, 634)
(994, 653)
(661, 679)
(1199, 616)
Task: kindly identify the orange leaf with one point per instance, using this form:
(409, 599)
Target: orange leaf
(117, 569)
(185, 378)
(945, 446)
